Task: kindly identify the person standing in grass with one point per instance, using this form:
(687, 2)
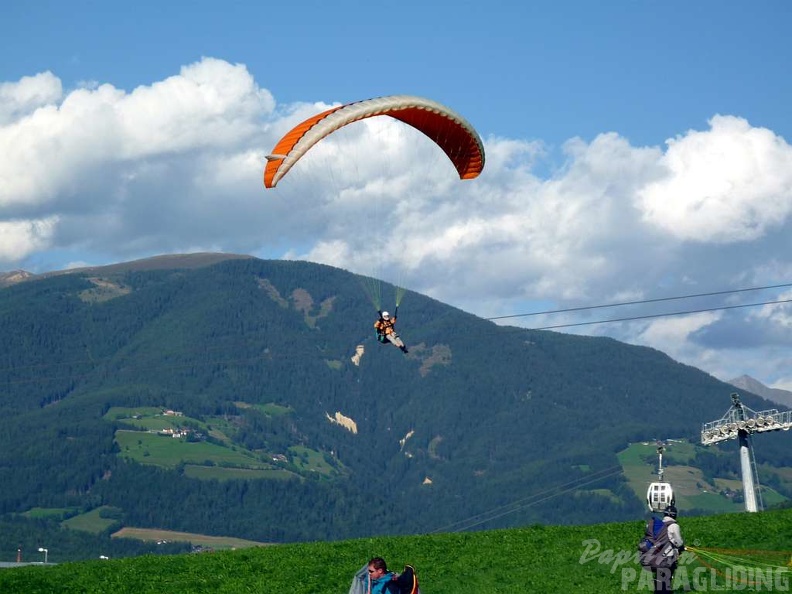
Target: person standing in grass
(374, 578)
(380, 580)
(661, 557)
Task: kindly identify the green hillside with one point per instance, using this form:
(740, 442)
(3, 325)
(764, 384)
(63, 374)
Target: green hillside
(194, 394)
(729, 553)
(696, 488)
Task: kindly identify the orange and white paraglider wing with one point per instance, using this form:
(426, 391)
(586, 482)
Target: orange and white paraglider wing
(450, 131)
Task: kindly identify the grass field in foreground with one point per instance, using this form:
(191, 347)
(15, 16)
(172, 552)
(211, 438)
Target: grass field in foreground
(538, 559)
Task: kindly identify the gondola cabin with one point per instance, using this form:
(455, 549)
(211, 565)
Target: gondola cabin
(659, 496)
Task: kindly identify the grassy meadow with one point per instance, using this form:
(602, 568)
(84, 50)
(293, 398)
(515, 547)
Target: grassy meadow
(148, 443)
(691, 489)
(596, 558)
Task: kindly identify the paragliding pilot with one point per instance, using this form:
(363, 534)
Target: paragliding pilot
(386, 331)
(660, 549)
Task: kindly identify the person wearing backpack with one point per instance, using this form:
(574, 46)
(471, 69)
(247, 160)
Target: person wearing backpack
(381, 581)
(374, 578)
(660, 549)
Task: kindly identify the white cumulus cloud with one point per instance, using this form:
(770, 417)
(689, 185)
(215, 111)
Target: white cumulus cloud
(730, 183)
(19, 239)
(100, 174)
(26, 95)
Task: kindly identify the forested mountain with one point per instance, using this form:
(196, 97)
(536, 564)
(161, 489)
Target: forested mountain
(242, 397)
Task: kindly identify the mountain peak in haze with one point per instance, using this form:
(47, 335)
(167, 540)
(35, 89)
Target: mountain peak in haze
(161, 262)
(14, 276)
(746, 382)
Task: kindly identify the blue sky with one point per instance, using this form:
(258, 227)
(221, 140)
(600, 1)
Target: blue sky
(636, 150)
(547, 70)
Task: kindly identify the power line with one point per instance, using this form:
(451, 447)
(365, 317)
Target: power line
(535, 499)
(643, 301)
(144, 362)
(662, 315)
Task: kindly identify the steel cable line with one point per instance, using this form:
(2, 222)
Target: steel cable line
(529, 501)
(663, 315)
(617, 470)
(288, 355)
(640, 302)
(89, 360)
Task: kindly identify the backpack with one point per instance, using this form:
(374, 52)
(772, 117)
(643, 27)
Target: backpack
(662, 553)
(408, 581)
(404, 583)
(653, 527)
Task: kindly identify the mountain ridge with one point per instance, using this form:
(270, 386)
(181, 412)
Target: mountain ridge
(159, 262)
(258, 356)
(776, 395)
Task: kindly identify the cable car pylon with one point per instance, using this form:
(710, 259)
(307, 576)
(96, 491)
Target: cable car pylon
(742, 422)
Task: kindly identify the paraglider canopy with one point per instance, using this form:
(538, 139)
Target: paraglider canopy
(449, 130)
(344, 173)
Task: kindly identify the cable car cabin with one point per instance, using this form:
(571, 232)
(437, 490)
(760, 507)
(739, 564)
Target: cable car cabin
(659, 496)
